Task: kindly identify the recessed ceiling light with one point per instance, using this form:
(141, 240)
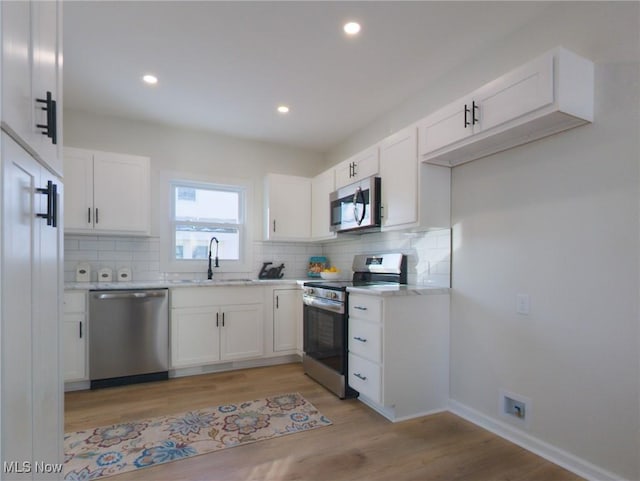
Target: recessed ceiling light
(351, 28)
(150, 79)
(283, 109)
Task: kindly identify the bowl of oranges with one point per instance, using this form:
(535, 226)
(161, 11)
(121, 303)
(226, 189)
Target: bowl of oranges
(330, 274)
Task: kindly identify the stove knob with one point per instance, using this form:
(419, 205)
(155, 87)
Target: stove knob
(309, 290)
(334, 295)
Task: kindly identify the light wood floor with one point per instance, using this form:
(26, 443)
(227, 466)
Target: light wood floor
(360, 445)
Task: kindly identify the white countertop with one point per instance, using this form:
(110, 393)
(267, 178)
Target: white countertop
(398, 290)
(178, 283)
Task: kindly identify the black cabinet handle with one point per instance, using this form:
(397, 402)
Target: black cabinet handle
(277, 302)
(51, 191)
(88, 215)
(274, 225)
(217, 322)
(50, 129)
(355, 172)
(474, 108)
(466, 112)
(97, 215)
(350, 169)
(223, 319)
(80, 324)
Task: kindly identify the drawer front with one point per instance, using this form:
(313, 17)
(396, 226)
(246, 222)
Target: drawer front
(365, 377)
(75, 301)
(368, 308)
(365, 339)
(215, 295)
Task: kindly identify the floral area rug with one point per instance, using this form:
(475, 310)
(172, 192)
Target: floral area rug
(109, 450)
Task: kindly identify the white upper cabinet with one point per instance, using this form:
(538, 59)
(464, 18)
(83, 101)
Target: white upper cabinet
(547, 95)
(362, 165)
(288, 207)
(31, 78)
(106, 192)
(415, 196)
(399, 173)
(321, 188)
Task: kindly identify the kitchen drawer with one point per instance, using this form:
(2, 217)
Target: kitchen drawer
(365, 339)
(75, 301)
(368, 308)
(365, 377)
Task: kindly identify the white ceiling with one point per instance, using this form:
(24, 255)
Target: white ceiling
(225, 66)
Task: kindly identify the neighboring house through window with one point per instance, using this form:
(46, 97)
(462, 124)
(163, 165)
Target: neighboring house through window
(201, 211)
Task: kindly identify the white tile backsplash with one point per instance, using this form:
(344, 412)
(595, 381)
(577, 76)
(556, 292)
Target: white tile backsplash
(428, 255)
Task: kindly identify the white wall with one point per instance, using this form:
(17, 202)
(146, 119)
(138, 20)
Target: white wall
(202, 154)
(557, 219)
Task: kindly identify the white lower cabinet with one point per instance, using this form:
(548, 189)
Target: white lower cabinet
(399, 353)
(212, 324)
(74, 336)
(287, 317)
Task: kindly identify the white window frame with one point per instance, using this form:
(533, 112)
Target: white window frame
(168, 262)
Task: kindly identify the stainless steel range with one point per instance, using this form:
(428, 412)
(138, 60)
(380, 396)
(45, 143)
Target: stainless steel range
(326, 324)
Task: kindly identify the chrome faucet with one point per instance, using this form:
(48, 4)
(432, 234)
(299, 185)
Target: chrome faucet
(210, 270)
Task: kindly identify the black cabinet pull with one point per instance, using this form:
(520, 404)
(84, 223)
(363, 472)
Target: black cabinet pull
(277, 302)
(274, 225)
(217, 322)
(355, 172)
(51, 191)
(97, 215)
(474, 108)
(223, 319)
(80, 324)
(88, 215)
(350, 169)
(50, 129)
(466, 113)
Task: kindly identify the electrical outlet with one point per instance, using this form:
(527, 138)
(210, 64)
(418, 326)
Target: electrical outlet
(515, 408)
(522, 304)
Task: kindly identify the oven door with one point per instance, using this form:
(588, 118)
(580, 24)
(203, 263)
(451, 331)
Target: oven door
(324, 332)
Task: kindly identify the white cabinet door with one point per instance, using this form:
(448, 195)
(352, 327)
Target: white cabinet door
(446, 126)
(288, 215)
(517, 93)
(241, 331)
(45, 78)
(399, 173)
(195, 336)
(31, 251)
(78, 201)
(16, 68)
(30, 63)
(73, 338)
(362, 165)
(321, 187)
(121, 192)
(287, 312)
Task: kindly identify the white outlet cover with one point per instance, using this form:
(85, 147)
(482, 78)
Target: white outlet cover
(523, 304)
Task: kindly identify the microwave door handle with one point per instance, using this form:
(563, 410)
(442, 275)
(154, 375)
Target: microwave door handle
(358, 194)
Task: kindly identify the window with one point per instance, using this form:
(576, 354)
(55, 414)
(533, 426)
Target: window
(203, 211)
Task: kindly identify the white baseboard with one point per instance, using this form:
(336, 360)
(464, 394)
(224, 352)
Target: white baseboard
(530, 443)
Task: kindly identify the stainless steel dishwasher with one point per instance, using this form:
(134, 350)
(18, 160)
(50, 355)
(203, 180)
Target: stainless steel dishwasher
(128, 336)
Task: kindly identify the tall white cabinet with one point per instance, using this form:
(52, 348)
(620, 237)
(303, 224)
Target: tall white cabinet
(31, 383)
(31, 416)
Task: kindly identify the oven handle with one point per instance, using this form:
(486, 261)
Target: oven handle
(323, 304)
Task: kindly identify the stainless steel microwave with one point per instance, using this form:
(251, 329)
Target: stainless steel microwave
(356, 206)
